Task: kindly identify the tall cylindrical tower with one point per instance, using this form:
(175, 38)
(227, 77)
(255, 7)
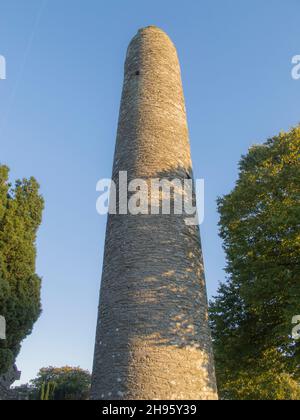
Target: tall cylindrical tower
(153, 339)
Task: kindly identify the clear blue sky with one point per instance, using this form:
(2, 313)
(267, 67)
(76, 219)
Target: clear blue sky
(58, 118)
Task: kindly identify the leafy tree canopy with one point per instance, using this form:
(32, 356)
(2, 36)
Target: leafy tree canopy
(65, 383)
(251, 317)
(21, 209)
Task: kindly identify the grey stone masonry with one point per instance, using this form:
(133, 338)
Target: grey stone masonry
(6, 393)
(153, 339)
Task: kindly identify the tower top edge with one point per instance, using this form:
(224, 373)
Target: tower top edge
(152, 30)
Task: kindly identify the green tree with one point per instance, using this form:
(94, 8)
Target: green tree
(47, 391)
(251, 316)
(21, 209)
(66, 383)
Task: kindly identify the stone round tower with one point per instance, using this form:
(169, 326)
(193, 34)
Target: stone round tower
(153, 339)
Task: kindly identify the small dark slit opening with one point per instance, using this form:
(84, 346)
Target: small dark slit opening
(137, 73)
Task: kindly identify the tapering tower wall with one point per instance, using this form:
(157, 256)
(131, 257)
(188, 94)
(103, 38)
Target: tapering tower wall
(153, 339)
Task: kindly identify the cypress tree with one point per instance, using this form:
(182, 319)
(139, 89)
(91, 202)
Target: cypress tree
(21, 209)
